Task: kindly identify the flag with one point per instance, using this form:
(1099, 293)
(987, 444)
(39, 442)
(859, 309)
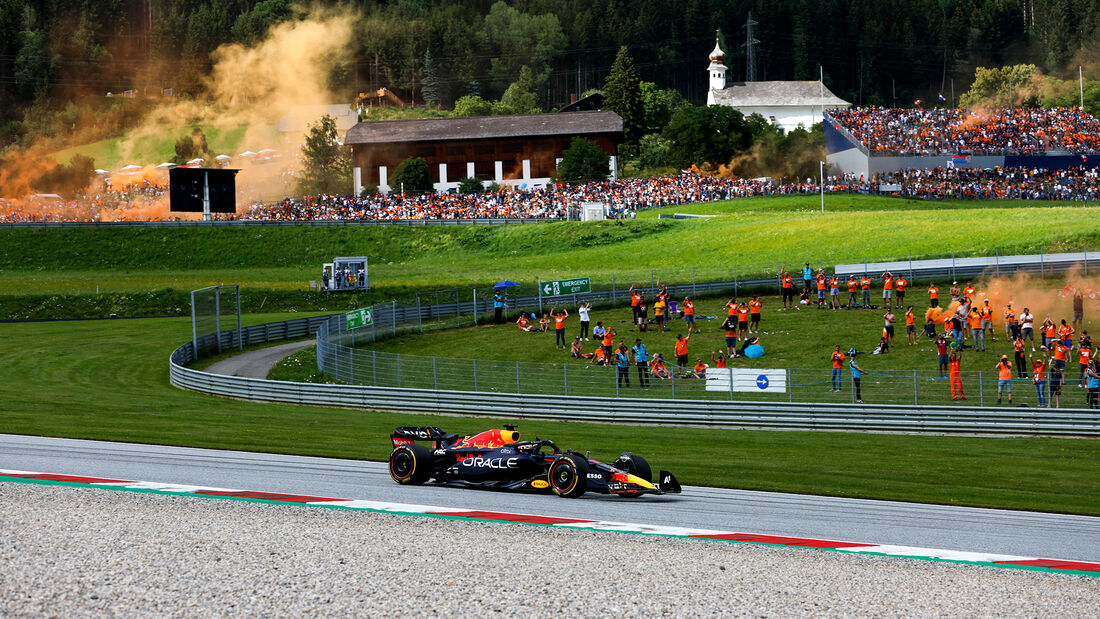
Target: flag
(917, 102)
(1084, 159)
(942, 98)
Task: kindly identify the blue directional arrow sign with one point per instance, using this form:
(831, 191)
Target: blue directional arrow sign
(762, 381)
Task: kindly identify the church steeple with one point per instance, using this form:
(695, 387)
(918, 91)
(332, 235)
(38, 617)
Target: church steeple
(717, 70)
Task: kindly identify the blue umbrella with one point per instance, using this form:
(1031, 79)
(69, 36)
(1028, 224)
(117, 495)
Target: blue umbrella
(505, 284)
(753, 351)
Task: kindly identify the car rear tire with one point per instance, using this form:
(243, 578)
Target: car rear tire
(568, 476)
(411, 464)
(635, 465)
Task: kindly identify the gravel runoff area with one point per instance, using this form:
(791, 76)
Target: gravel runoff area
(75, 552)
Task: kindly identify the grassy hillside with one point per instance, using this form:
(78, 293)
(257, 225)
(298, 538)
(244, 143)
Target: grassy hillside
(113, 153)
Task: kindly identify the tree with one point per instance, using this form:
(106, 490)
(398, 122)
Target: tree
(34, 67)
(1004, 87)
(657, 111)
(623, 95)
(470, 184)
(520, 95)
(711, 134)
(411, 177)
(583, 161)
(252, 26)
(429, 81)
(326, 164)
(472, 105)
(189, 147)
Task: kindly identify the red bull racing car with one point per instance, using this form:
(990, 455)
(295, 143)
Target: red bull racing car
(498, 459)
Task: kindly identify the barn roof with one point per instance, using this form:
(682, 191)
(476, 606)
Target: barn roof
(484, 127)
(772, 94)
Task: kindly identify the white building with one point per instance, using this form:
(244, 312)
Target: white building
(786, 104)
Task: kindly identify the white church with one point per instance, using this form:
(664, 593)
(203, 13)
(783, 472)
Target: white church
(786, 104)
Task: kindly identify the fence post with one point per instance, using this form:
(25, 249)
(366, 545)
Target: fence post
(953, 266)
(435, 375)
(735, 288)
(374, 368)
(419, 324)
(981, 393)
(538, 282)
(398, 369)
(790, 387)
(1041, 269)
(613, 289)
(475, 374)
(616, 375)
(517, 376)
(652, 279)
(731, 383)
(565, 377)
(693, 278)
(915, 399)
(673, 384)
(393, 316)
(475, 306)
(997, 262)
(1086, 252)
(351, 365)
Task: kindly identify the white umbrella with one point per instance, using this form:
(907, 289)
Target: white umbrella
(268, 151)
(102, 171)
(195, 160)
(246, 153)
(166, 164)
(223, 157)
(129, 168)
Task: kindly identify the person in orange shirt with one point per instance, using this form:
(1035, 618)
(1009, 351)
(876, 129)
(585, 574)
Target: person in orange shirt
(1011, 324)
(987, 322)
(1039, 378)
(635, 299)
(822, 284)
(700, 369)
(743, 320)
(559, 327)
(910, 325)
(682, 350)
(1049, 332)
(954, 363)
(787, 288)
(838, 363)
(969, 291)
(1066, 333)
(852, 285)
(899, 290)
(719, 359)
(974, 319)
(933, 295)
(1084, 355)
(1004, 378)
(689, 315)
(659, 369)
(608, 341)
(731, 307)
(754, 316)
(888, 289)
(865, 285)
(523, 324)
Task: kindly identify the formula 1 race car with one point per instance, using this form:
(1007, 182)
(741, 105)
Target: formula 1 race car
(498, 459)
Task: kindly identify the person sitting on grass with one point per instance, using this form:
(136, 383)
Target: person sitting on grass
(658, 367)
(544, 323)
(930, 329)
(882, 348)
(598, 356)
(699, 371)
(524, 324)
(577, 351)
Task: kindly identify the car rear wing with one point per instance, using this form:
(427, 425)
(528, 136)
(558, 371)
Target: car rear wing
(427, 436)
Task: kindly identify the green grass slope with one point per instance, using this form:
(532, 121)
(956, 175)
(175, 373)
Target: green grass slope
(109, 380)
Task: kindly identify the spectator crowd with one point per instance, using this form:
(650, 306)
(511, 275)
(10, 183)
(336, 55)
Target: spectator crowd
(940, 131)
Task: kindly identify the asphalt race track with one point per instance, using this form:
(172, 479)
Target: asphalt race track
(874, 522)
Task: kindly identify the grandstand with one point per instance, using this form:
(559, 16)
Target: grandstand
(869, 141)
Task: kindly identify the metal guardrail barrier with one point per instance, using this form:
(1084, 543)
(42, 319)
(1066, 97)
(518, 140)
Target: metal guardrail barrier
(811, 416)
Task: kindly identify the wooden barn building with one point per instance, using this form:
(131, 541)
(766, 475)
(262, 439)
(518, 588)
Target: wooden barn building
(521, 150)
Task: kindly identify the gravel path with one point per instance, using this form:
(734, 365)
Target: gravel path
(79, 552)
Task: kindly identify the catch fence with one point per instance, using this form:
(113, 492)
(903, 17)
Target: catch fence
(340, 355)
